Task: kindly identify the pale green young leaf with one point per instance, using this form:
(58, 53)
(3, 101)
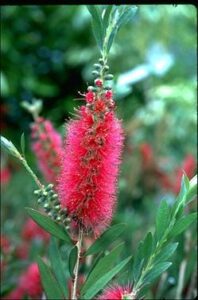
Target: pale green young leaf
(97, 24)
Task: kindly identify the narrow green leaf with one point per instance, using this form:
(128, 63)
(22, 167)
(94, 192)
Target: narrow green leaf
(49, 282)
(156, 271)
(166, 252)
(127, 15)
(23, 144)
(49, 225)
(192, 192)
(57, 265)
(102, 281)
(183, 224)
(147, 246)
(106, 16)
(97, 24)
(162, 219)
(9, 147)
(72, 259)
(181, 198)
(138, 262)
(106, 239)
(102, 267)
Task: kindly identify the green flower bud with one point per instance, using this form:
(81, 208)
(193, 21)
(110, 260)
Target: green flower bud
(95, 73)
(108, 77)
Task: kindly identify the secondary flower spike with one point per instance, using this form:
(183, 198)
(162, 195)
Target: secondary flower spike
(87, 182)
(47, 146)
(117, 292)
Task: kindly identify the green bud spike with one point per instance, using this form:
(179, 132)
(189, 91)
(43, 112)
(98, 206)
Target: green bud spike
(95, 73)
(101, 61)
(46, 205)
(106, 68)
(108, 77)
(98, 66)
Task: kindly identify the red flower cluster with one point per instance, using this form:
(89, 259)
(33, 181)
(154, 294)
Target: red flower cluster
(87, 183)
(33, 231)
(189, 167)
(29, 284)
(47, 145)
(30, 232)
(117, 293)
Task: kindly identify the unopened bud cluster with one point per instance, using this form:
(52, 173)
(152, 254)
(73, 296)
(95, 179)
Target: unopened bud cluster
(101, 76)
(49, 201)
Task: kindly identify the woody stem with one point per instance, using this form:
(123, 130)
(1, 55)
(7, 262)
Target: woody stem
(76, 269)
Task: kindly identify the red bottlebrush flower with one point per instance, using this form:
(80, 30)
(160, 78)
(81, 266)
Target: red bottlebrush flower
(30, 282)
(87, 183)
(89, 97)
(108, 95)
(22, 250)
(47, 145)
(16, 294)
(189, 167)
(33, 231)
(5, 175)
(117, 293)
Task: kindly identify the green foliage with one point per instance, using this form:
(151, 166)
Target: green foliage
(72, 260)
(150, 259)
(50, 226)
(57, 265)
(49, 282)
(106, 239)
(102, 281)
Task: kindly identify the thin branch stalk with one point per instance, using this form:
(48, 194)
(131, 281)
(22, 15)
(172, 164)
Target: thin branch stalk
(76, 269)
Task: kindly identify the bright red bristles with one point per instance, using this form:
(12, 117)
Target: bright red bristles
(117, 293)
(87, 183)
(47, 145)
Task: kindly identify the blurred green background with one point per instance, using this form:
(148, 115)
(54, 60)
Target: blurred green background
(48, 53)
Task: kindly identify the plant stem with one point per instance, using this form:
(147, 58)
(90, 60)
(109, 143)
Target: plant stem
(76, 269)
(25, 164)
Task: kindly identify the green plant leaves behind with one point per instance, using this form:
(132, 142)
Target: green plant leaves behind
(106, 23)
(102, 281)
(49, 225)
(156, 271)
(49, 282)
(98, 28)
(166, 252)
(106, 239)
(57, 265)
(101, 268)
(72, 260)
(183, 224)
(162, 219)
(23, 144)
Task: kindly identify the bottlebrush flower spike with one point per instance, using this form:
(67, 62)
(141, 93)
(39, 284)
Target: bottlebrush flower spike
(87, 182)
(47, 145)
(117, 293)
